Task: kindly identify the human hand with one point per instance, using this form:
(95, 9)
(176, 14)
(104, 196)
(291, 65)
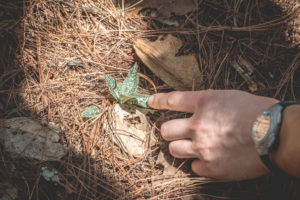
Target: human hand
(218, 134)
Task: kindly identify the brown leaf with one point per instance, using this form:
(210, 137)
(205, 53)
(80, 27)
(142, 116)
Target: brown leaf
(165, 159)
(172, 166)
(130, 129)
(179, 72)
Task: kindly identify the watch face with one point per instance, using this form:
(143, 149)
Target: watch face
(261, 127)
(266, 129)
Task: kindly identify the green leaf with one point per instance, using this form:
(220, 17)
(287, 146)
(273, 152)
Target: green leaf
(127, 99)
(141, 99)
(138, 99)
(130, 84)
(91, 112)
(126, 93)
(113, 86)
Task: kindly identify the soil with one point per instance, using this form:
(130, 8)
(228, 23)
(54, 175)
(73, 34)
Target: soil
(53, 58)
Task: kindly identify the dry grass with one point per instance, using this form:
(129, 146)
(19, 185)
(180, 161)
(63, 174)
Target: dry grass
(54, 56)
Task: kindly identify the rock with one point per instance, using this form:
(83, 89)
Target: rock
(179, 72)
(50, 175)
(25, 137)
(130, 129)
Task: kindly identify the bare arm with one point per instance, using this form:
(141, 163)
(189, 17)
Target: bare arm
(287, 156)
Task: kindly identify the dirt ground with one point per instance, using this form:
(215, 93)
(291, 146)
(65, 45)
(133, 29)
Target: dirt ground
(53, 57)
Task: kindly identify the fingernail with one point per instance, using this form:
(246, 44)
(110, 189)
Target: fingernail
(151, 100)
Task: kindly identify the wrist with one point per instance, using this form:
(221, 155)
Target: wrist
(286, 155)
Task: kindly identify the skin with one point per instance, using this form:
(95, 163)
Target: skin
(286, 156)
(218, 135)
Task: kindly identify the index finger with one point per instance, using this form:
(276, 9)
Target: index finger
(175, 101)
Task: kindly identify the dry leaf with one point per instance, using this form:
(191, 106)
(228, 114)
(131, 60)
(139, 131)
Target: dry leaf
(166, 160)
(130, 129)
(172, 166)
(179, 72)
(167, 8)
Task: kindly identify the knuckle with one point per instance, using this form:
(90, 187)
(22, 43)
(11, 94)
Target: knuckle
(196, 127)
(208, 96)
(172, 99)
(205, 151)
(208, 156)
(197, 147)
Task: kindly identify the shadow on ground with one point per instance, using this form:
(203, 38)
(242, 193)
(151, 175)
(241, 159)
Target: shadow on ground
(84, 177)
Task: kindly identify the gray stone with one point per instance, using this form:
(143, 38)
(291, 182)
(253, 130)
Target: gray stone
(25, 137)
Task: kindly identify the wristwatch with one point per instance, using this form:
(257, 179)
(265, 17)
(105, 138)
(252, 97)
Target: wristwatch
(266, 129)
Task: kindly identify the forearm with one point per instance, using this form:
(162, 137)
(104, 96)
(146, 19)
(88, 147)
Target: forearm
(287, 155)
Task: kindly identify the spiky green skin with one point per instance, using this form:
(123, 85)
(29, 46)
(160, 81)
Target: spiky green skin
(91, 112)
(113, 86)
(126, 93)
(131, 83)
